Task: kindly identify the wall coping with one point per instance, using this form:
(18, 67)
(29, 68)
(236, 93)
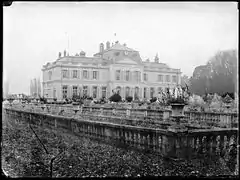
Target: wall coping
(203, 132)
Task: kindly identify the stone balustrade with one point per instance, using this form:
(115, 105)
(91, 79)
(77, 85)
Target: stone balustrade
(216, 119)
(185, 145)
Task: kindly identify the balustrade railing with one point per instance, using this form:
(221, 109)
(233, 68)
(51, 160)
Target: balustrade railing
(194, 143)
(224, 120)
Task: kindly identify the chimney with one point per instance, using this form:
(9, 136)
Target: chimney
(64, 53)
(156, 59)
(101, 47)
(107, 45)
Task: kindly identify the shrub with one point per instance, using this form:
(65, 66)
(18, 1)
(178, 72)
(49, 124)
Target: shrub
(154, 99)
(115, 98)
(129, 99)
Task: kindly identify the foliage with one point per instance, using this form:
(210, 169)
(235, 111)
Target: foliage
(88, 158)
(129, 99)
(217, 76)
(154, 99)
(196, 101)
(115, 98)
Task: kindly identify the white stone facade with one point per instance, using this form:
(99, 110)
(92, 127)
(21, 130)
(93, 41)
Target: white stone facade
(117, 67)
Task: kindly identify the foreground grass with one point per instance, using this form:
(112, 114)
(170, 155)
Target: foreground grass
(22, 155)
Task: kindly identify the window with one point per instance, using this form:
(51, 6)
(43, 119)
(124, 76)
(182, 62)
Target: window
(160, 78)
(117, 74)
(127, 92)
(85, 90)
(127, 75)
(94, 74)
(152, 92)
(74, 90)
(145, 77)
(145, 93)
(64, 73)
(94, 91)
(104, 92)
(50, 75)
(167, 78)
(74, 73)
(64, 92)
(174, 79)
(85, 74)
(135, 76)
(136, 94)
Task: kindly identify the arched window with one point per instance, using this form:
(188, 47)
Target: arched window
(151, 92)
(136, 93)
(127, 93)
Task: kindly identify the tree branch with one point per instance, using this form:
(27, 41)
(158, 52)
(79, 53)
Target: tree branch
(39, 139)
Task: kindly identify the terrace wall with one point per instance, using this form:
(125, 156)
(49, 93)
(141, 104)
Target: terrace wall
(165, 143)
(215, 119)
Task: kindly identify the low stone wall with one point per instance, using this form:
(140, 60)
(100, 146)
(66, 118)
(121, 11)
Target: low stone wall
(211, 119)
(168, 144)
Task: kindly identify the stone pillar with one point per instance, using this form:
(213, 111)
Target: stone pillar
(132, 92)
(123, 92)
(148, 93)
(140, 93)
(99, 91)
(213, 145)
(90, 90)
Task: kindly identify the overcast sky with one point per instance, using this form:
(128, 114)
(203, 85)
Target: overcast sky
(184, 35)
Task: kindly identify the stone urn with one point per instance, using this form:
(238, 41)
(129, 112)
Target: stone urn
(177, 115)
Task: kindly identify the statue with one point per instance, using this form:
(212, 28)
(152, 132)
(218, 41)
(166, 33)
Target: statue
(59, 54)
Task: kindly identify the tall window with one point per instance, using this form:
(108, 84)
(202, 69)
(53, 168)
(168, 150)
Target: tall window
(94, 74)
(135, 76)
(64, 92)
(104, 92)
(85, 74)
(152, 92)
(64, 73)
(174, 79)
(145, 93)
(145, 77)
(167, 78)
(50, 75)
(118, 74)
(74, 73)
(127, 75)
(160, 78)
(136, 94)
(94, 91)
(74, 90)
(127, 92)
(85, 90)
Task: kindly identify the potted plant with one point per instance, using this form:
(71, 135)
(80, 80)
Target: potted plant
(177, 98)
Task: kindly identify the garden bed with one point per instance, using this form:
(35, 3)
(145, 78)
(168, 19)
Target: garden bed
(22, 156)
